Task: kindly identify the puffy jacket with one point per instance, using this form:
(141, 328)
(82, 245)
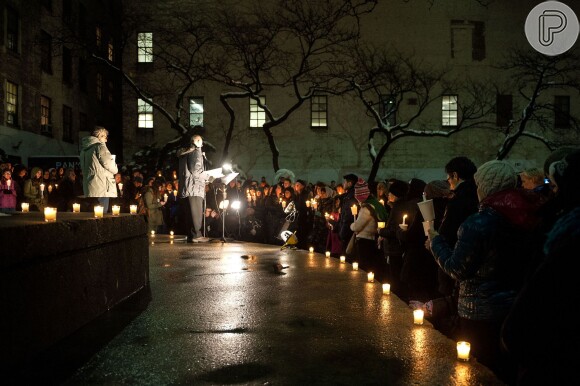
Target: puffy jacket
(98, 169)
(8, 194)
(489, 258)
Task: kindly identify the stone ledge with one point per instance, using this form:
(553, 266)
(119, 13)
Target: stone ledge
(57, 277)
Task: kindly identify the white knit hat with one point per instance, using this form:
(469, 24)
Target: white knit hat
(494, 176)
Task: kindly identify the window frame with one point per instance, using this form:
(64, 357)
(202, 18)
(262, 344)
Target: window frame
(199, 101)
(45, 115)
(145, 47)
(319, 111)
(12, 102)
(447, 118)
(145, 118)
(257, 114)
(12, 30)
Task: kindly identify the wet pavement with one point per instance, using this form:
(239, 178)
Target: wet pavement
(253, 314)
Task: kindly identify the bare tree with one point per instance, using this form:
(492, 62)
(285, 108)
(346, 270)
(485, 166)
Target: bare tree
(383, 79)
(291, 46)
(537, 78)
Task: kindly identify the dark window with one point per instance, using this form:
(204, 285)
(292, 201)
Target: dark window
(66, 66)
(66, 123)
(67, 11)
(388, 109)
(467, 40)
(82, 21)
(83, 122)
(504, 110)
(111, 91)
(12, 29)
(99, 87)
(46, 52)
(478, 41)
(561, 111)
(47, 4)
(83, 75)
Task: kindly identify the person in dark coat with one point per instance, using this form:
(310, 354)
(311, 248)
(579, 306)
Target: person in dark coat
(346, 217)
(538, 332)
(489, 261)
(192, 187)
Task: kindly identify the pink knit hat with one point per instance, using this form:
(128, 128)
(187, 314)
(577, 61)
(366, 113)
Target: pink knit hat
(361, 190)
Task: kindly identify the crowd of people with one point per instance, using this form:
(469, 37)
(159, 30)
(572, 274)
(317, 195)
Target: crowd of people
(495, 268)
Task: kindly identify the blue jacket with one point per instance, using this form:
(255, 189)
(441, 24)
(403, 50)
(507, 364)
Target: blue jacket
(489, 258)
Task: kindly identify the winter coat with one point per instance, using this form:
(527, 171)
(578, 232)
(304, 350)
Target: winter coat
(8, 194)
(154, 212)
(98, 168)
(191, 181)
(33, 194)
(347, 200)
(391, 244)
(490, 257)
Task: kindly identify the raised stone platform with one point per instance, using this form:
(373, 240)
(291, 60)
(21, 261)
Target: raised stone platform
(56, 277)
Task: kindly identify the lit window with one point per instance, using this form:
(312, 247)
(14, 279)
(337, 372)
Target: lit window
(12, 103)
(195, 112)
(98, 36)
(110, 51)
(145, 47)
(449, 113)
(45, 115)
(145, 113)
(257, 114)
(319, 111)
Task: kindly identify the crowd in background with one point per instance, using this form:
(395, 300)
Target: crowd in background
(495, 269)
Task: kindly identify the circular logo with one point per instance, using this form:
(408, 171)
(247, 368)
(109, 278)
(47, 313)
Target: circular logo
(552, 28)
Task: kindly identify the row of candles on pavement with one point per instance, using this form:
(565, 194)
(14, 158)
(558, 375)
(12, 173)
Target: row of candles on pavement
(463, 347)
(50, 212)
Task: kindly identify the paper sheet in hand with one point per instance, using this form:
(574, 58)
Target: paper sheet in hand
(229, 177)
(215, 173)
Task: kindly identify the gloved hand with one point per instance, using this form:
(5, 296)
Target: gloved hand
(426, 307)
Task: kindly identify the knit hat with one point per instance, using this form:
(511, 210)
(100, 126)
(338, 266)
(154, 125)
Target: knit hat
(398, 188)
(494, 176)
(361, 190)
(437, 188)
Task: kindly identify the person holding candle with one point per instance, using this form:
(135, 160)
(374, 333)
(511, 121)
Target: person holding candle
(8, 188)
(67, 192)
(32, 190)
(346, 217)
(365, 229)
(155, 201)
(489, 260)
(392, 248)
(98, 167)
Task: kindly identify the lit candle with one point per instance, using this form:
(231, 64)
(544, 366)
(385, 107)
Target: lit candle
(56, 186)
(165, 197)
(355, 266)
(418, 316)
(354, 210)
(116, 210)
(76, 208)
(133, 209)
(314, 204)
(49, 214)
(371, 277)
(283, 204)
(175, 192)
(249, 197)
(42, 187)
(171, 234)
(9, 183)
(25, 207)
(152, 233)
(342, 259)
(98, 211)
(49, 188)
(386, 288)
(424, 197)
(463, 349)
(308, 203)
(404, 218)
(311, 249)
(382, 201)
(381, 224)
(327, 253)
(120, 184)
